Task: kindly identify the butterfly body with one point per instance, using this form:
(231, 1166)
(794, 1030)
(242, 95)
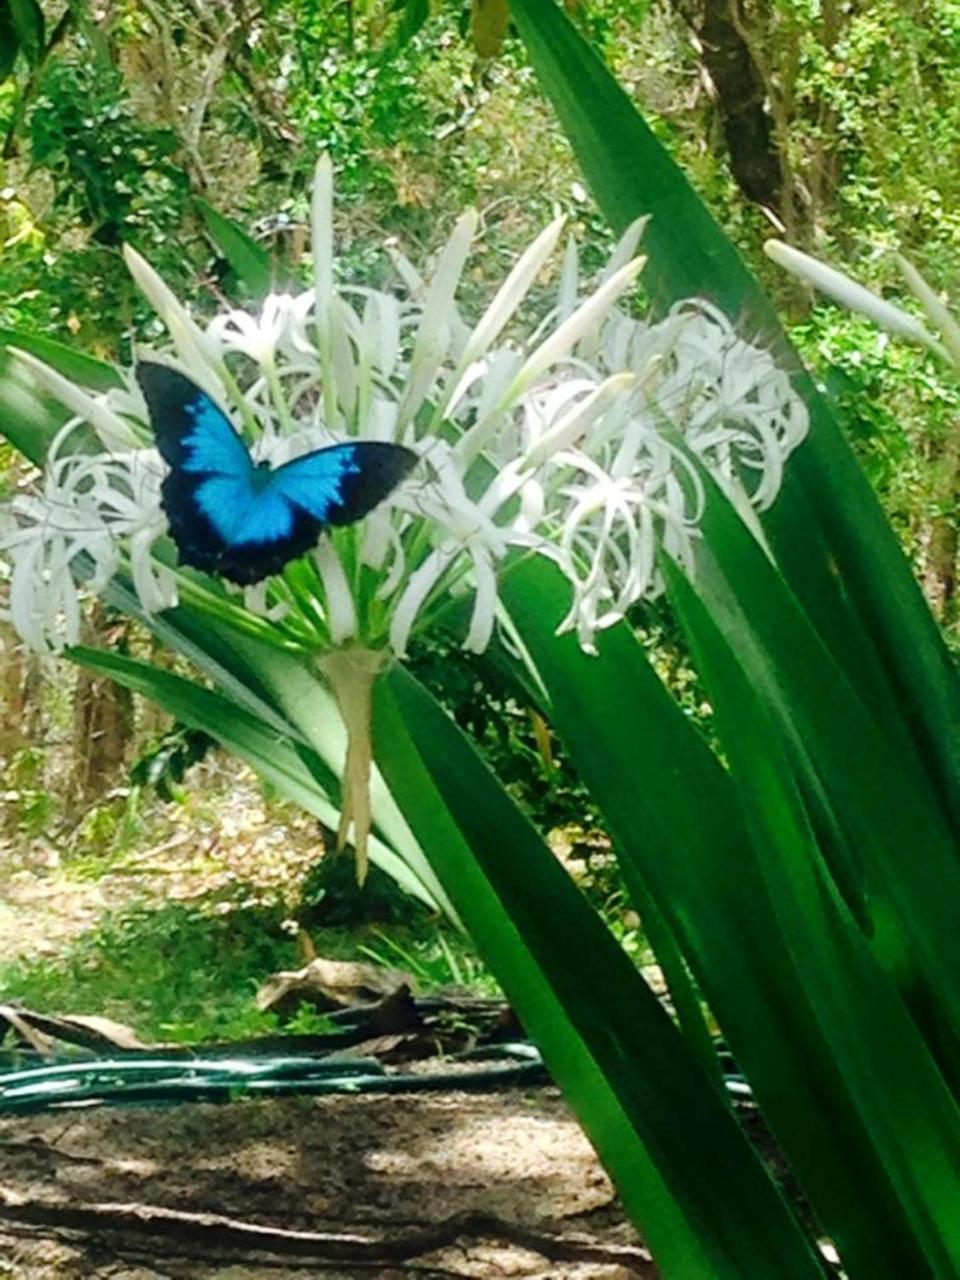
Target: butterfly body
(243, 519)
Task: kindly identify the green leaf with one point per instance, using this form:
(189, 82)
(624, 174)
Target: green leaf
(890, 1081)
(29, 418)
(675, 818)
(249, 261)
(898, 854)
(27, 18)
(832, 541)
(415, 14)
(294, 691)
(666, 1135)
(89, 372)
(9, 41)
(293, 770)
(288, 699)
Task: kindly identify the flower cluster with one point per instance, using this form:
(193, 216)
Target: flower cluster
(576, 443)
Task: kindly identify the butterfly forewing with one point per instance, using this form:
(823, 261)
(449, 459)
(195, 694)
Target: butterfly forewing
(191, 431)
(212, 445)
(342, 483)
(240, 521)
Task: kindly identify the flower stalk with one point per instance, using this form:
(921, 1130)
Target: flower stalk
(351, 674)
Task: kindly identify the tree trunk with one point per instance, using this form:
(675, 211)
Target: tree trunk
(740, 95)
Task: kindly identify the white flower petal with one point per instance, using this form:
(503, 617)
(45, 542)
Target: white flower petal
(112, 431)
(572, 330)
(341, 613)
(484, 603)
(572, 425)
(512, 292)
(848, 292)
(569, 281)
(938, 314)
(321, 212)
(433, 335)
(626, 247)
(414, 596)
(192, 344)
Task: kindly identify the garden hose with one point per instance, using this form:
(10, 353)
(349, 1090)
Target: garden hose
(159, 1080)
(164, 1081)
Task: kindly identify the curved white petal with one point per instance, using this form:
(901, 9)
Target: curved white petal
(848, 292)
(341, 613)
(192, 344)
(433, 334)
(111, 430)
(572, 330)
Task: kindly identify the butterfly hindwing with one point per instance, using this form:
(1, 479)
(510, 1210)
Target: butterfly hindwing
(243, 521)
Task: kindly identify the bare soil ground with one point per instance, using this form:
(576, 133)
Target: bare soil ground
(203, 848)
(451, 1185)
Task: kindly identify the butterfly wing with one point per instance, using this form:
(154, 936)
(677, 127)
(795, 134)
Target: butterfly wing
(192, 433)
(228, 516)
(209, 491)
(342, 483)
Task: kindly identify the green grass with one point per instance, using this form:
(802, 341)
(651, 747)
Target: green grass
(183, 973)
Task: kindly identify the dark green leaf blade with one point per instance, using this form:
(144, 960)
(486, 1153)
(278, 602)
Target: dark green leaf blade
(27, 17)
(9, 41)
(657, 1121)
(249, 260)
(415, 14)
(877, 795)
(674, 815)
(890, 1080)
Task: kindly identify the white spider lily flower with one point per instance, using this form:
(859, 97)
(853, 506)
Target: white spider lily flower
(524, 444)
(259, 336)
(726, 398)
(564, 444)
(71, 537)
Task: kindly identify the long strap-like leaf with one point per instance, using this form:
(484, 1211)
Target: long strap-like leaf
(832, 541)
(674, 813)
(663, 1130)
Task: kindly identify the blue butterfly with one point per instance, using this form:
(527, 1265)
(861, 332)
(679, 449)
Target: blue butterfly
(246, 520)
